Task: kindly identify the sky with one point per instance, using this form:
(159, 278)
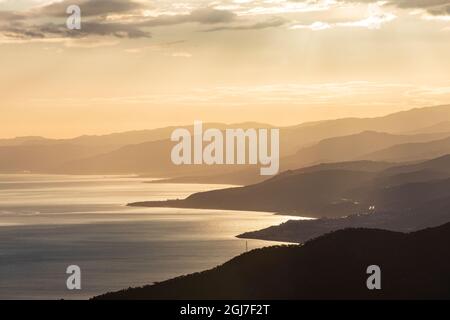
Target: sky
(145, 64)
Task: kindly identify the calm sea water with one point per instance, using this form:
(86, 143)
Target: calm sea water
(49, 222)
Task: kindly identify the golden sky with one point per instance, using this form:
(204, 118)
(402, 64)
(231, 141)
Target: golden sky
(145, 64)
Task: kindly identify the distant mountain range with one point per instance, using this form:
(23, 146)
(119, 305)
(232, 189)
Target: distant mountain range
(364, 146)
(413, 266)
(147, 152)
(443, 126)
(44, 158)
(412, 151)
(367, 145)
(121, 139)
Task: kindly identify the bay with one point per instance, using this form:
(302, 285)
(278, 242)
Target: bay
(48, 222)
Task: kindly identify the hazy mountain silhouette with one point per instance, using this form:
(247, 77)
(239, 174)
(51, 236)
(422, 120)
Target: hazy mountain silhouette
(312, 194)
(233, 176)
(439, 127)
(390, 180)
(402, 198)
(342, 148)
(252, 175)
(335, 149)
(358, 146)
(403, 208)
(331, 190)
(38, 158)
(19, 141)
(413, 266)
(362, 165)
(149, 159)
(120, 139)
(412, 151)
(345, 148)
(119, 153)
(441, 164)
(396, 123)
(147, 152)
(142, 136)
(329, 151)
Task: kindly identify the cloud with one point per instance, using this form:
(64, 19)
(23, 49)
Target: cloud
(97, 25)
(48, 21)
(372, 22)
(278, 7)
(134, 18)
(270, 23)
(11, 16)
(119, 30)
(211, 16)
(21, 31)
(181, 54)
(375, 19)
(90, 7)
(316, 26)
(434, 7)
(202, 16)
(167, 48)
(94, 42)
(440, 11)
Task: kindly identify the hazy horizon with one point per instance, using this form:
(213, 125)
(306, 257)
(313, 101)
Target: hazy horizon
(186, 123)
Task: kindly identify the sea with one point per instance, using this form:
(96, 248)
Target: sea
(51, 222)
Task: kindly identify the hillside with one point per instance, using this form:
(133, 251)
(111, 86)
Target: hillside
(440, 164)
(303, 194)
(411, 151)
(252, 176)
(443, 126)
(406, 201)
(423, 215)
(330, 267)
(18, 141)
(119, 139)
(331, 190)
(396, 123)
(359, 146)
